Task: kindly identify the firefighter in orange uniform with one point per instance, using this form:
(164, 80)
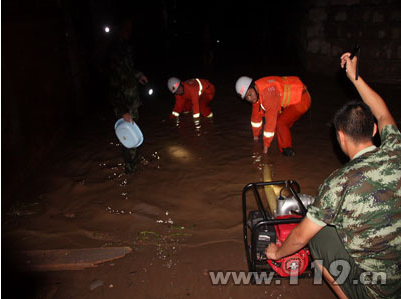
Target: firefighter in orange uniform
(281, 101)
(194, 94)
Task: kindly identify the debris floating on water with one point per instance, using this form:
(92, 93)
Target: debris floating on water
(95, 284)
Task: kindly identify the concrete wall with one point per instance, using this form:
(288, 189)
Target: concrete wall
(331, 27)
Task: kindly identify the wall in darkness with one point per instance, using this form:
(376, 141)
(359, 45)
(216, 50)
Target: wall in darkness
(42, 87)
(331, 27)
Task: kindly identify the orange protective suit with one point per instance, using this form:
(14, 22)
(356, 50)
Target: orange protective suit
(198, 93)
(281, 101)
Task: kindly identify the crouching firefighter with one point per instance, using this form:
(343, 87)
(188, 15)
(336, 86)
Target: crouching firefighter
(280, 101)
(193, 93)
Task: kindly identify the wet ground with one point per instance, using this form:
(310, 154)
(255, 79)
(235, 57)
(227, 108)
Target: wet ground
(180, 213)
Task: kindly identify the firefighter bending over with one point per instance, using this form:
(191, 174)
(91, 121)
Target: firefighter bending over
(193, 94)
(280, 101)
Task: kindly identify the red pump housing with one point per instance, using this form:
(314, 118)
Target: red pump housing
(292, 265)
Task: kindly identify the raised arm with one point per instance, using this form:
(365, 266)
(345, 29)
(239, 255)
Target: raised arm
(368, 95)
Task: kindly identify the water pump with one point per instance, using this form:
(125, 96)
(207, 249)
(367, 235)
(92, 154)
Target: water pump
(266, 227)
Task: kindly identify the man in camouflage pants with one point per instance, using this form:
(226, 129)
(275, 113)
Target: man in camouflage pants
(354, 226)
(123, 89)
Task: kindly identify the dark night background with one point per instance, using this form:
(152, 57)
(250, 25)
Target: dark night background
(54, 60)
(54, 63)
(54, 56)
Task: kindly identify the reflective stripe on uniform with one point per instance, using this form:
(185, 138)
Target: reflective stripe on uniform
(287, 94)
(210, 115)
(268, 134)
(196, 115)
(175, 113)
(256, 125)
(200, 86)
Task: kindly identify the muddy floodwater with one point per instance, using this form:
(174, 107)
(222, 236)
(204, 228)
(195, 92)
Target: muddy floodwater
(180, 213)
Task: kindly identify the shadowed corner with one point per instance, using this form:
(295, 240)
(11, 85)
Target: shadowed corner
(17, 282)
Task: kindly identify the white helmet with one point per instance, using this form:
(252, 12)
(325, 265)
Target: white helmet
(173, 83)
(242, 85)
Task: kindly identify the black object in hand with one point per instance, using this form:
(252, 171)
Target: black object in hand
(354, 52)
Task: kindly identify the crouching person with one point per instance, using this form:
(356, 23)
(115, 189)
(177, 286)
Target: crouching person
(353, 228)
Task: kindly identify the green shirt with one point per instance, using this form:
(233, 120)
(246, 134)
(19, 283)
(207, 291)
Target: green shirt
(363, 201)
